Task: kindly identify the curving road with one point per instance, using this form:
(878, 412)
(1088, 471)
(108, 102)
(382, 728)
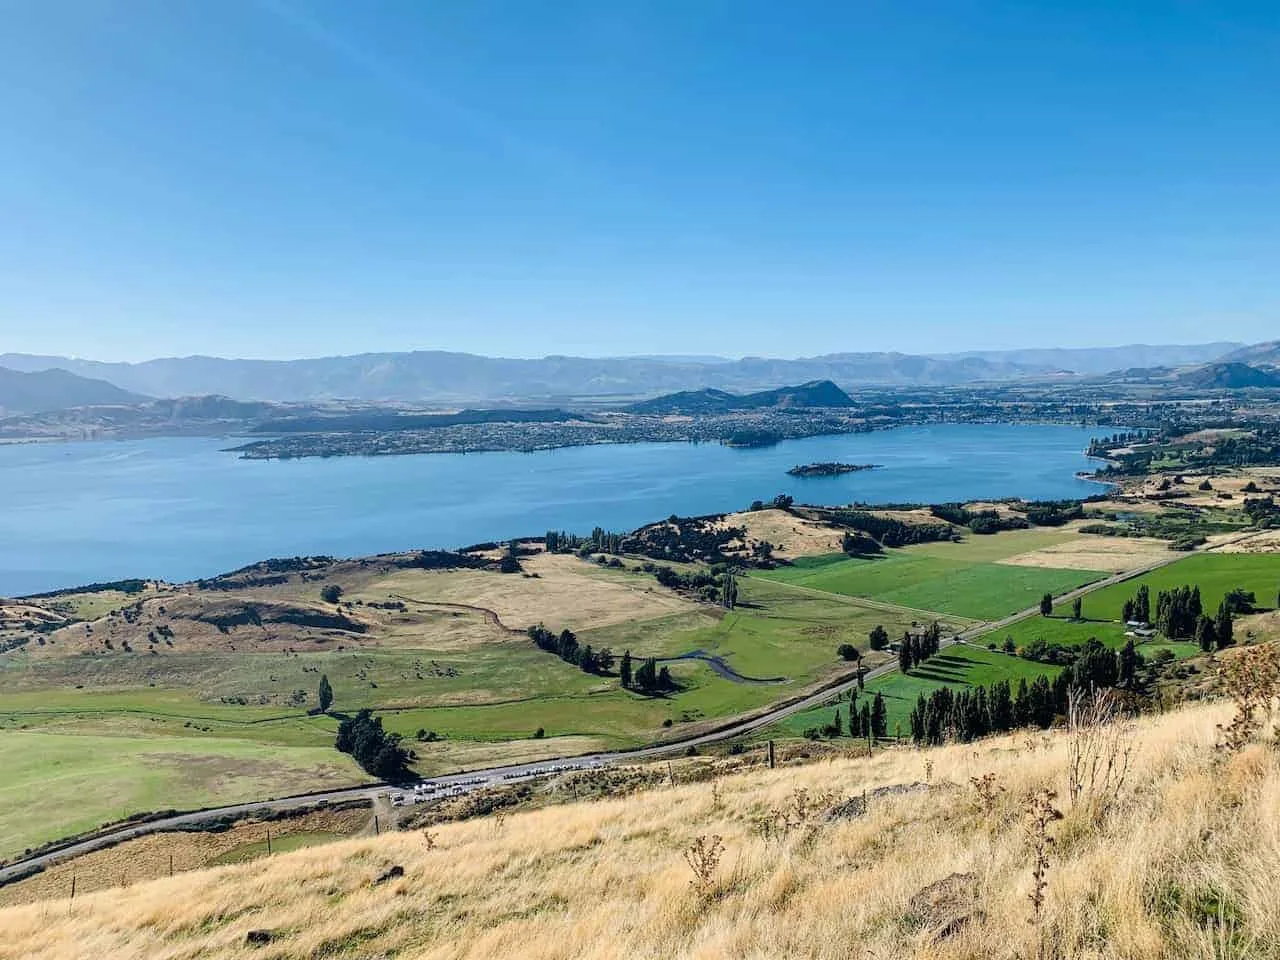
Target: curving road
(490, 776)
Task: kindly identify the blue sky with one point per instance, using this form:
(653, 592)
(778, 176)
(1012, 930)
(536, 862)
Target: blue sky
(278, 178)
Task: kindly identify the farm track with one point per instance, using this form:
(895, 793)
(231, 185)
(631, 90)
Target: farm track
(490, 616)
(496, 775)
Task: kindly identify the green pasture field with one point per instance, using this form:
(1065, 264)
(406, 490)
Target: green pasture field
(57, 784)
(1214, 573)
(1057, 630)
(930, 581)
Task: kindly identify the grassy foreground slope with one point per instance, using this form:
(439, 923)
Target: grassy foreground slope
(1181, 864)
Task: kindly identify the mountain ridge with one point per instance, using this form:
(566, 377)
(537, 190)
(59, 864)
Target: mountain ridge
(453, 377)
(40, 391)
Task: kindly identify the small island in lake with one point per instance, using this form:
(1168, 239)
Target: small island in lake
(829, 469)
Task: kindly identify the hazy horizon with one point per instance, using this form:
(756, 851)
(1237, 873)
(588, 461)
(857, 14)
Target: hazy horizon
(665, 357)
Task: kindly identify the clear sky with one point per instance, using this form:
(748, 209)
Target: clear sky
(277, 178)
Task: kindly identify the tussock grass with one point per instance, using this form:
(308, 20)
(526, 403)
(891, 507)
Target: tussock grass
(1181, 863)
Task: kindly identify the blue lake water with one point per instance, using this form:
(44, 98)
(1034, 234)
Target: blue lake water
(180, 509)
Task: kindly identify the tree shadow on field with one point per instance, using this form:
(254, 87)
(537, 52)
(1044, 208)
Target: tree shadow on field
(940, 677)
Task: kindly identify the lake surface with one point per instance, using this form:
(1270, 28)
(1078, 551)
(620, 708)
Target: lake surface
(179, 509)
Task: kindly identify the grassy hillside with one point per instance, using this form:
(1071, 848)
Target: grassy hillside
(1176, 861)
(146, 700)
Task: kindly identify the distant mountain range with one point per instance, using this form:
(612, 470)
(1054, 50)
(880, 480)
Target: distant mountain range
(44, 390)
(448, 378)
(1095, 360)
(819, 393)
(1229, 376)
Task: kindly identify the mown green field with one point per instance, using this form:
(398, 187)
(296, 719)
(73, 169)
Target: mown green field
(56, 784)
(931, 581)
(1214, 573)
(1057, 630)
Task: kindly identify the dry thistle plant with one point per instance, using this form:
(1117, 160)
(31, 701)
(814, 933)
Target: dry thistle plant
(928, 770)
(703, 857)
(986, 792)
(499, 821)
(1099, 748)
(1251, 678)
(429, 839)
(1039, 813)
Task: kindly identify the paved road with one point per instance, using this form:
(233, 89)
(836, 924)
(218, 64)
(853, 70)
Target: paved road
(474, 779)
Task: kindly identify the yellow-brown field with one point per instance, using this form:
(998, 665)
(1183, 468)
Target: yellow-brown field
(1088, 552)
(1182, 863)
(1266, 542)
(561, 591)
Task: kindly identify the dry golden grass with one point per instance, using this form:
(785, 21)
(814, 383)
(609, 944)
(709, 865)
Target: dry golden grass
(1259, 626)
(567, 592)
(1183, 864)
(1233, 484)
(148, 858)
(456, 609)
(1266, 542)
(186, 613)
(1126, 504)
(1112, 554)
(790, 535)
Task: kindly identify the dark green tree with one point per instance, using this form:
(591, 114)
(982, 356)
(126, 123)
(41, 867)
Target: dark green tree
(729, 591)
(1128, 663)
(1142, 605)
(624, 670)
(879, 727)
(1077, 605)
(325, 694)
(905, 662)
(1206, 635)
(878, 638)
(1222, 626)
(1022, 704)
(1046, 605)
